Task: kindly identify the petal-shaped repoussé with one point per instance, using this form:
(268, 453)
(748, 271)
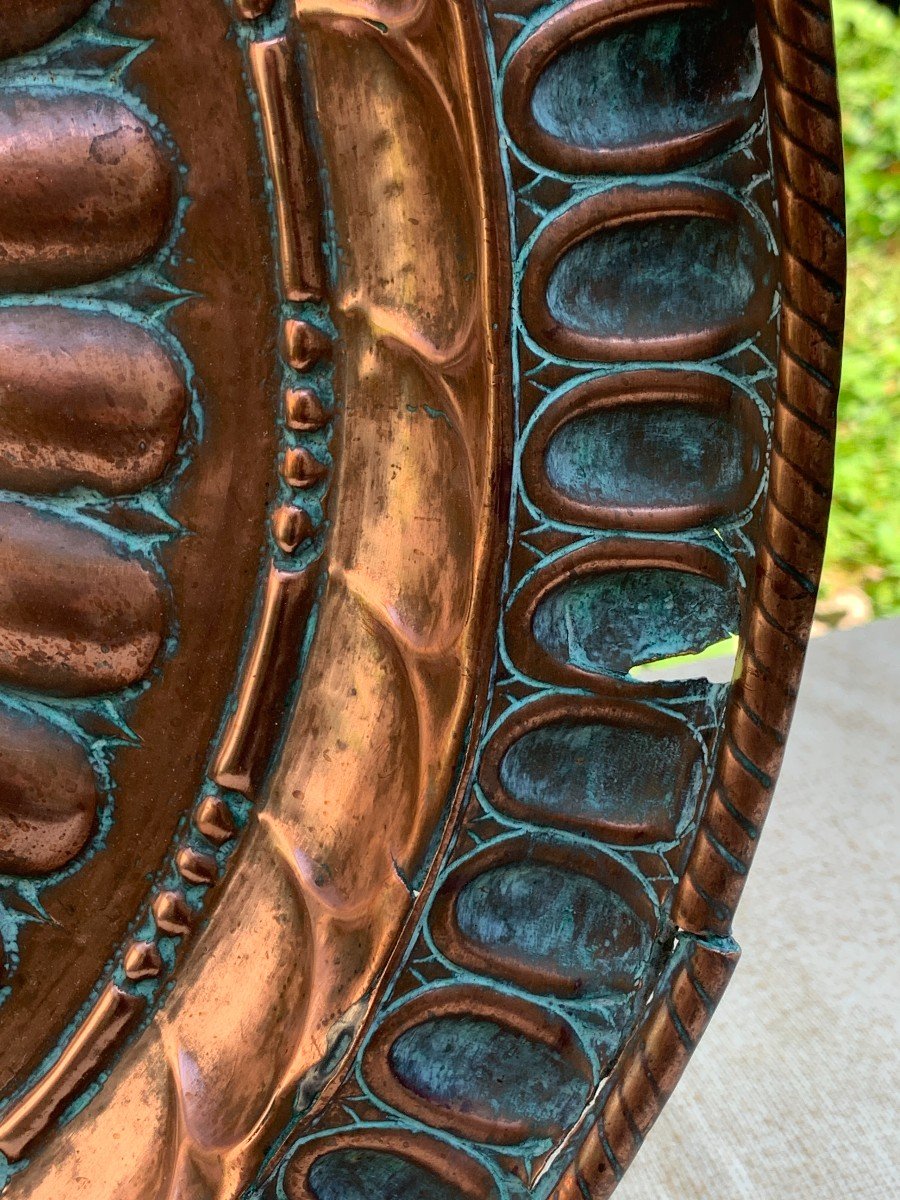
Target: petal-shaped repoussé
(91, 400)
(85, 190)
(86, 400)
(386, 389)
(76, 618)
(48, 795)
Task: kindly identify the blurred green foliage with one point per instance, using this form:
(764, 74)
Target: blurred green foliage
(864, 539)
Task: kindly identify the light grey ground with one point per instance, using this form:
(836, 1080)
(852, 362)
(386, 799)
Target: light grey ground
(794, 1092)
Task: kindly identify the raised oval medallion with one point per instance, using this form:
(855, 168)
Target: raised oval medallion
(623, 772)
(702, 287)
(609, 85)
(654, 450)
(495, 1072)
(550, 916)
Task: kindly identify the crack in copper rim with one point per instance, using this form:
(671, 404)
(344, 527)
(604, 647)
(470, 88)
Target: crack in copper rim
(795, 516)
(570, 25)
(633, 1118)
(651, 1064)
(761, 704)
(649, 1068)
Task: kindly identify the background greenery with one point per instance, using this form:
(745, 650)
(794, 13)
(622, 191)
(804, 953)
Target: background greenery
(862, 566)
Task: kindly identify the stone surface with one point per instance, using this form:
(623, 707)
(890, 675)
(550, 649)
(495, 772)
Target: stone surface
(792, 1094)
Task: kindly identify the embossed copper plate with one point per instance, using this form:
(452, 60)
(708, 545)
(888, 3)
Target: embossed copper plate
(382, 386)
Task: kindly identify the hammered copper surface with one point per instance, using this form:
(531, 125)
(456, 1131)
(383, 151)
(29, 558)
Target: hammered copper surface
(229, 329)
(383, 387)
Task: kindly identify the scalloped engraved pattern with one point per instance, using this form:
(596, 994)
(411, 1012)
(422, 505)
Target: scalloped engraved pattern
(371, 745)
(137, 451)
(504, 1014)
(646, 326)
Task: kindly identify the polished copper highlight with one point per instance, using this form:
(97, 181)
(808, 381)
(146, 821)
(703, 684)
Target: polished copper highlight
(87, 190)
(293, 167)
(76, 616)
(323, 467)
(89, 400)
(48, 795)
(250, 735)
(317, 894)
(100, 1032)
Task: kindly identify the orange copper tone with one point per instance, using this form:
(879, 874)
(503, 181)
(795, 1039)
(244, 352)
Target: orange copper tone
(172, 913)
(304, 344)
(98, 1034)
(214, 821)
(302, 469)
(196, 867)
(340, 516)
(304, 410)
(142, 961)
(292, 526)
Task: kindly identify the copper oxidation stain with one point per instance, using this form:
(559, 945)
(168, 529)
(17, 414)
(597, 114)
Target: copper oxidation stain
(380, 385)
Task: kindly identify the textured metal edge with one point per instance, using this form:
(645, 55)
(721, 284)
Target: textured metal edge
(801, 94)
(801, 88)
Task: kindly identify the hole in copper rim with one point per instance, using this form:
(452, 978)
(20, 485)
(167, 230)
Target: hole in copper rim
(594, 613)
